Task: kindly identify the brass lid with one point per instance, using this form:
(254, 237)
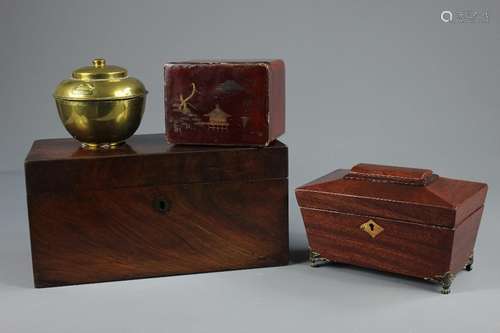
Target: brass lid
(100, 82)
(99, 71)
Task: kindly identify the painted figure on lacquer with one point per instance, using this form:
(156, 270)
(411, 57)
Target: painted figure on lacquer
(189, 116)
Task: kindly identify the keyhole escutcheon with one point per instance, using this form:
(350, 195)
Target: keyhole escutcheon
(161, 205)
(371, 228)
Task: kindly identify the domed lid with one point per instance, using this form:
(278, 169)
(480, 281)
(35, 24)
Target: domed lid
(99, 82)
(99, 71)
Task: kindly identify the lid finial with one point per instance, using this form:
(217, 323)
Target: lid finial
(99, 62)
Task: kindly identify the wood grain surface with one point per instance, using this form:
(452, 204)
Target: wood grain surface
(444, 202)
(101, 226)
(430, 223)
(416, 250)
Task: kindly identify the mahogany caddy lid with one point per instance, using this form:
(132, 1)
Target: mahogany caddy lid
(147, 160)
(405, 194)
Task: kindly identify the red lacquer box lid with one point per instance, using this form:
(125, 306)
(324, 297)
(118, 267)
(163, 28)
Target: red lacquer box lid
(225, 102)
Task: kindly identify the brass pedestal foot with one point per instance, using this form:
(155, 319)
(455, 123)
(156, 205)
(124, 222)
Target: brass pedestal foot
(468, 267)
(101, 146)
(316, 260)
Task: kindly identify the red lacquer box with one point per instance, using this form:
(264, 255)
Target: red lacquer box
(225, 102)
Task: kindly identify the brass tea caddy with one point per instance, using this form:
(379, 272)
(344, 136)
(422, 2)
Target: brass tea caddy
(100, 106)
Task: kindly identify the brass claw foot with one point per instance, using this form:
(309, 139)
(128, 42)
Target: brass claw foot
(316, 260)
(468, 267)
(446, 281)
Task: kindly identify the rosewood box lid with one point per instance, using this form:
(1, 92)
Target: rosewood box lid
(405, 194)
(146, 160)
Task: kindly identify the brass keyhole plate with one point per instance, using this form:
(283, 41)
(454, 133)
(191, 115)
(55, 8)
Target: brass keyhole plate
(371, 228)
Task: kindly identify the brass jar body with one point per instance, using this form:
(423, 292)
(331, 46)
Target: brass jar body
(102, 123)
(100, 106)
